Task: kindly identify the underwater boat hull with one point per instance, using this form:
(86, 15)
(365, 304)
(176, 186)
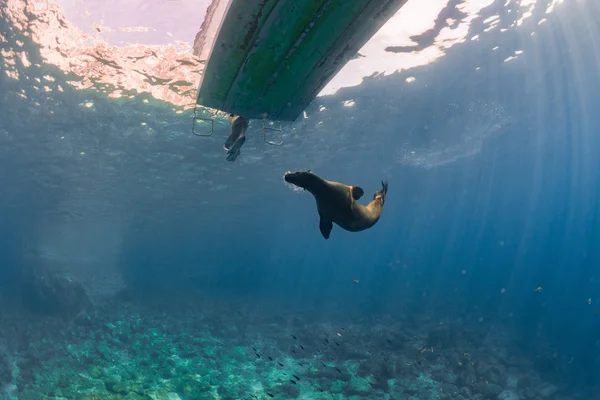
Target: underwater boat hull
(268, 59)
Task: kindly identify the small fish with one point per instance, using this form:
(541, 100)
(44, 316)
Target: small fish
(254, 348)
(338, 370)
(294, 336)
(323, 364)
(326, 340)
(339, 334)
(270, 358)
(280, 364)
(355, 280)
(296, 376)
(302, 347)
(270, 395)
(293, 351)
(293, 381)
(254, 396)
(337, 344)
(257, 355)
(539, 289)
(589, 301)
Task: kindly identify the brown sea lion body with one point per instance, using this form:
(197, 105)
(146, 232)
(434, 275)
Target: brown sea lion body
(337, 203)
(237, 137)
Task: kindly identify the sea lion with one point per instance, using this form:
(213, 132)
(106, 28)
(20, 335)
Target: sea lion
(237, 137)
(337, 203)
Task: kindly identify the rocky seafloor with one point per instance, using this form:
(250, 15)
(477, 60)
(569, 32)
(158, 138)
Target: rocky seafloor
(129, 351)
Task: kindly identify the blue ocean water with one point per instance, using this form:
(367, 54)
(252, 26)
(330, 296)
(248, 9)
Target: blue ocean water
(137, 263)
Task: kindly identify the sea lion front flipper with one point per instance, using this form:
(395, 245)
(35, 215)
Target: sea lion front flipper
(357, 192)
(325, 226)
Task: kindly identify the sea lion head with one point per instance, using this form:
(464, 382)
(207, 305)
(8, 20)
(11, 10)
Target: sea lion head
(239, 123)
(303, 179)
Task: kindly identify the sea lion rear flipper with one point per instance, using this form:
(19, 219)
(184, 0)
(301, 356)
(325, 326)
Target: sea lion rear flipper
(234, 151)
(357, 192)
(230, 140)
(325, 226)
(238, 126)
